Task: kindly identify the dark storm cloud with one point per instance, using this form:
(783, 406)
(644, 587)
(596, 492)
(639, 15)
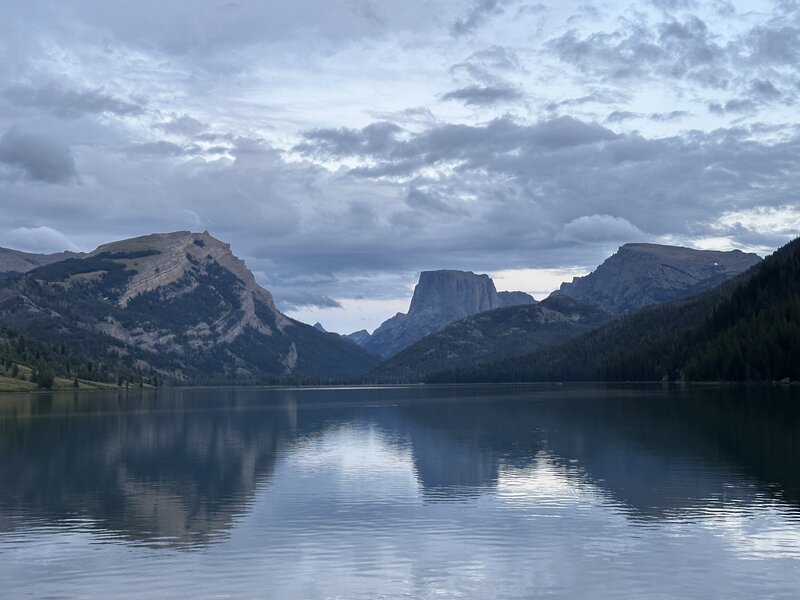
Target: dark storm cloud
(69, 103)
(476, 95)
(37, 156)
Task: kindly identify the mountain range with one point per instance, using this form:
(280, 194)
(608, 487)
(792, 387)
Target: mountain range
(178, 307)
(181, 308)
(745, 329)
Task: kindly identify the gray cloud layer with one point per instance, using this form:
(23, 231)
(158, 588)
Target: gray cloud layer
(38, 157)
(68, 102)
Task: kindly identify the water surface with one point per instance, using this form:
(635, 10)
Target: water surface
(411, 492)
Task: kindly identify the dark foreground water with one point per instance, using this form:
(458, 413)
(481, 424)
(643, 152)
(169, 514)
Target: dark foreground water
(460, 492)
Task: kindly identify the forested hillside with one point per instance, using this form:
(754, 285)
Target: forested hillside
(748, 329)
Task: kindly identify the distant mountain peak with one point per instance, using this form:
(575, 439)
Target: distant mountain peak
(17, 261)
(640, 274)
(440, 298)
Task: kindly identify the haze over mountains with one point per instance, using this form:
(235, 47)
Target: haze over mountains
(180, 308)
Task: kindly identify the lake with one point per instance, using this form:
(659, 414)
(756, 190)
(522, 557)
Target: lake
(407, 492)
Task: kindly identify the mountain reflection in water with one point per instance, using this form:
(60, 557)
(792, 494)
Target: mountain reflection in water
(187, 469)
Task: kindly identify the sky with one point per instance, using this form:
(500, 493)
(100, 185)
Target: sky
(343, 146)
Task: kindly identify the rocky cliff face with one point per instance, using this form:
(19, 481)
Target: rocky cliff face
(642, 274)
(182, 304)
(440, 298)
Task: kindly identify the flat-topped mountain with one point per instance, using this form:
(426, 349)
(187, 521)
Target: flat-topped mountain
(178, 304)
(638, 275)
(16, 261)
(440, 298)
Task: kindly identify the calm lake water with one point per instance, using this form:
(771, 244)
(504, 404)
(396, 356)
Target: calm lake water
(415, 492)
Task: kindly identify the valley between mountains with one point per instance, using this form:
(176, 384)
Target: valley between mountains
(180, 308)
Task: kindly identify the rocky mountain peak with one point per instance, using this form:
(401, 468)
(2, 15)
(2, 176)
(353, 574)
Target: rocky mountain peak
(453, 293)
(177, 298)
(640, 274)
(440, 298)
(163, 259)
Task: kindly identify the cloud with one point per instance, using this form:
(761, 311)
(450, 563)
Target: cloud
(673, 5)
(772, 44)
(675, 49)
(292, 300)
(475, 95)
(600, 228)
(40, 239)
(39, 157)
(183, 125)
(765, 90)
(204, 27)
(372, 139)
(480, 13)
(673, 115)
(498, 195)
(429, 202)
(70, 103)
(620, 116)
(162, 148)
(733, 106)
(485, 65)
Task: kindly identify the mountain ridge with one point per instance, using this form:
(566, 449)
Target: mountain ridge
(746, 329)
(641, 274)
(178, 304)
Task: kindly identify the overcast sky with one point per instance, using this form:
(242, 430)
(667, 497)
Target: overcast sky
(342, 146)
